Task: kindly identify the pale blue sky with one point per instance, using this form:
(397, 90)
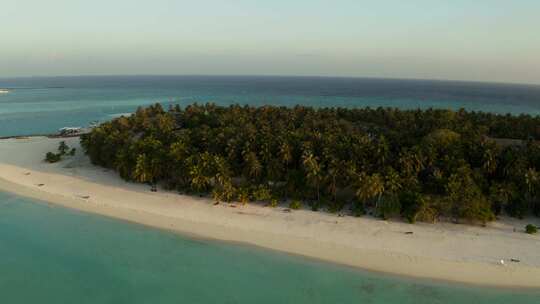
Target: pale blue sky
(489, 40)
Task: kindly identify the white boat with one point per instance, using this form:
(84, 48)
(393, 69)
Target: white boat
(4, 91)
(69, 131)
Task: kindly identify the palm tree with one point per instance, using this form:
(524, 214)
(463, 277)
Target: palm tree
(253, 166)
(410, 162)
(143, 170)
(123, 164)
(392, 181)
(285, 152)
(531, 182)
(334, 170)
(489, 161)
(198, 179)
(313, 170)
(369, 187)
(223, 173)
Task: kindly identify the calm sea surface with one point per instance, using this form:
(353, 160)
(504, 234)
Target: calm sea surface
(41, 105)
(54, 255)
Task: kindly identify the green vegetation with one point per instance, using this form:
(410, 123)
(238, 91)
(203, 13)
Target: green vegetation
(295, 205)
(63, 150)
(531, 229)
(422, 165)
(274, 203)
(52, 157)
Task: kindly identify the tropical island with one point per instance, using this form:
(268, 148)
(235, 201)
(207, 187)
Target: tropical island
(255, 175)
(421, 165)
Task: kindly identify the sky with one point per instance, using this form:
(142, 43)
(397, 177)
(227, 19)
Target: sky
(478, 40)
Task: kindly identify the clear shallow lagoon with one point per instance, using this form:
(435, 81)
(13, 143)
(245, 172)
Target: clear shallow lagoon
(49, 254)
(42, 105)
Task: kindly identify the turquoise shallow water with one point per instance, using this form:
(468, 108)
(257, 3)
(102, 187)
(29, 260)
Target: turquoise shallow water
(49, 254)
(42, 105)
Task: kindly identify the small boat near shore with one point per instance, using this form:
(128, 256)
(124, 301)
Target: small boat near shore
(70, 131)
(4, 91)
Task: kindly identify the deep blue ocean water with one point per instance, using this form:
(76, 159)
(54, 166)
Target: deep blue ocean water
(42, 105)
(49, 254)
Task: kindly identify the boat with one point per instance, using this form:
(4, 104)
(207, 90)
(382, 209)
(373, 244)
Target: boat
(69, 131)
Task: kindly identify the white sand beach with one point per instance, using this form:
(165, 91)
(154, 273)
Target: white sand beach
(460, 253)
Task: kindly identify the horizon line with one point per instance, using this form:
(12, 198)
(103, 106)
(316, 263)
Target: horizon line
(275, 76)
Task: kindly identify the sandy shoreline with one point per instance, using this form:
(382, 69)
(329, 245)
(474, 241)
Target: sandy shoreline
(450, 252)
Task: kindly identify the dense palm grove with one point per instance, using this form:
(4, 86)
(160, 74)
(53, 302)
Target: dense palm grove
(418, 164)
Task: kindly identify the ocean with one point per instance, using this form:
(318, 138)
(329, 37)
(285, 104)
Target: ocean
(43, 105)
(50, 254)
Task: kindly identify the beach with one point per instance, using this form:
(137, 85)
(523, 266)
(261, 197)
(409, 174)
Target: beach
(443, 251)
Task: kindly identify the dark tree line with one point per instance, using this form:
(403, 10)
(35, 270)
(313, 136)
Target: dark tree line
(418, 164)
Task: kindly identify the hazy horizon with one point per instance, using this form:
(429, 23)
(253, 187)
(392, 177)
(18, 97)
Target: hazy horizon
(269, 76)
(484, 41)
